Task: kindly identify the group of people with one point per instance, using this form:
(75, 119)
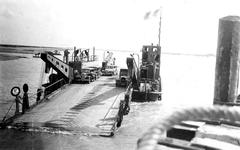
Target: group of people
(83, 54)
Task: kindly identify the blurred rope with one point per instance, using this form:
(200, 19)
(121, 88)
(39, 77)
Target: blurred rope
(5, 116)
(150, 139)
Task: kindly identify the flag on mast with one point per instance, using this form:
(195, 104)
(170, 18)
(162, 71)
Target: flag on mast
(154, 13)
(147, 15)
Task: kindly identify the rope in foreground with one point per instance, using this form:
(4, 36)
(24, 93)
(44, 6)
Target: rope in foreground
(149, 140)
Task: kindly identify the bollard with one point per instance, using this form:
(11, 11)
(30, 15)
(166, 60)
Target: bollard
(25, 104)
(227, 61)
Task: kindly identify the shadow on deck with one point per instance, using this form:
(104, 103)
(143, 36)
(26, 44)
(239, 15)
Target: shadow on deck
(97, 99)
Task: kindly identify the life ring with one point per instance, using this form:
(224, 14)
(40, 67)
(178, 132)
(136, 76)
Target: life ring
(15, 91)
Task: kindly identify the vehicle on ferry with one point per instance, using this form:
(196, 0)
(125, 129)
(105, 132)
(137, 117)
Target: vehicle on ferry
(87, 75)
(123, 78)
(97, 71)
(110, 70)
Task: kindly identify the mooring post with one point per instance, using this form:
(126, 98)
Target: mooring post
(25, 104)
(227, 61)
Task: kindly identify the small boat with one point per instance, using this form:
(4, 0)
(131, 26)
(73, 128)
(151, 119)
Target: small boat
(37, 55)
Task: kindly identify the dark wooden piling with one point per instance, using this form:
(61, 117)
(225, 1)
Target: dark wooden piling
(227, 61)
(25, 104)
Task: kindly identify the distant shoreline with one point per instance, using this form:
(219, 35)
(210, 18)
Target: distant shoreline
(12, 50)
(6, 57)
(24, 49)
(27, 46)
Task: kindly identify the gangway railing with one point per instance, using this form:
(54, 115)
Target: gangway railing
(84, 59)
(60, 65)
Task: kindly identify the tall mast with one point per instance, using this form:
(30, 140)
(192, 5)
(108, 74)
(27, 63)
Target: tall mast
(160, 24)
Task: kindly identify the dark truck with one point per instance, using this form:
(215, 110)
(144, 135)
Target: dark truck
(123, 78)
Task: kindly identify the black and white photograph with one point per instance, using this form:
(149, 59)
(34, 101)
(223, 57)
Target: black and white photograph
(119, 74)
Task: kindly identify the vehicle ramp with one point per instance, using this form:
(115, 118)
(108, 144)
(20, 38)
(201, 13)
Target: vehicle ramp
(77, 109)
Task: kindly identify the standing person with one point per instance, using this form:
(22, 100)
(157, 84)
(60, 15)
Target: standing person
(75, 55)
(65, 56)
(80, 54)
(87, 54)
(17, 101)
(25, 105)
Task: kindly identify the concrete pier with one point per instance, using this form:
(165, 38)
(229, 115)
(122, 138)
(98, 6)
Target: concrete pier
(227, 61)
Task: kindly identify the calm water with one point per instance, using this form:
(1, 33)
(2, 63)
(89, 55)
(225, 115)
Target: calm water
(186, 81)
(15, 73)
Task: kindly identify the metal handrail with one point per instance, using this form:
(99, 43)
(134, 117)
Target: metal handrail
(46, 88)
(110, 108)
(4, 118)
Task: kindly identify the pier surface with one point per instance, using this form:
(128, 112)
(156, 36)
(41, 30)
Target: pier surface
(78, 107)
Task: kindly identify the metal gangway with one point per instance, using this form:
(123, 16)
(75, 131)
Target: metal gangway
(58, 65)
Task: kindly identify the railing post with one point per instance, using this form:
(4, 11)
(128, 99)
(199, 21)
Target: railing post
(227, 61)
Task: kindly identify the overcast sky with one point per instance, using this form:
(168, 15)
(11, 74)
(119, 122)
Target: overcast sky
(187, 25)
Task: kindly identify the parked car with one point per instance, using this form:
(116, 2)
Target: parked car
(97, 71)
(110, 70)
(123, 78)
(87, 75)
